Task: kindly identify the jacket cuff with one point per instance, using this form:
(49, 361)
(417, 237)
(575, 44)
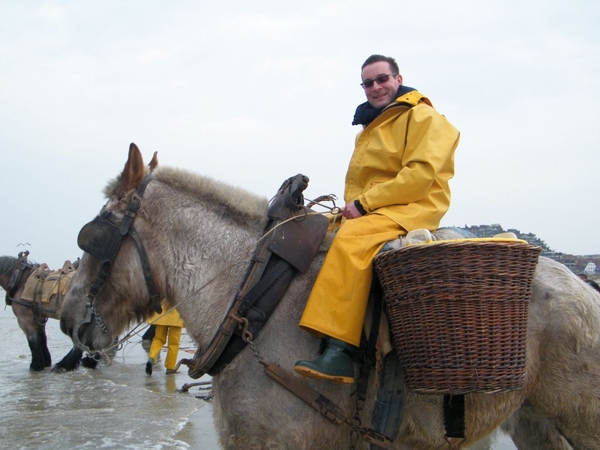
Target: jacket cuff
(360, 208)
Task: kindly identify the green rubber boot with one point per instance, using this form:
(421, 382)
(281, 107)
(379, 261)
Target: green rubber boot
(335, 364)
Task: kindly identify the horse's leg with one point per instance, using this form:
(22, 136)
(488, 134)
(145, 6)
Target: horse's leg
(91, 360)
(75, 358)
(44, 346)
(70, 361)
(529, 431)
(36, 336)
(40, 356)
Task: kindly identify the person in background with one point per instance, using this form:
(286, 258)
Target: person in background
(167, 329)
(592, 283)
(397, 181)
(147, 337)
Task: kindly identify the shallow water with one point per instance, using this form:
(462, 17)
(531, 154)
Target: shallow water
(114, 407)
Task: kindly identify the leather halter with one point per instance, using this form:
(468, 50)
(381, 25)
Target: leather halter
(102, 238)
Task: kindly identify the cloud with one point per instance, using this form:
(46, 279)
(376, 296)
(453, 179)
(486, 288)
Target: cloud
(252, 93)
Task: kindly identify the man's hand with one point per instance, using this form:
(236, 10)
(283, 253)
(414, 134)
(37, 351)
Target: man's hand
(350, 211)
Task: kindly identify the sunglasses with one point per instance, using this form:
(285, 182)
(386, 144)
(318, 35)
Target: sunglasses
(383, 78)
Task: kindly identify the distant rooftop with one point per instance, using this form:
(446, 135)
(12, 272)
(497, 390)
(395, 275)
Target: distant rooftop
(576, 263)
(496, 228)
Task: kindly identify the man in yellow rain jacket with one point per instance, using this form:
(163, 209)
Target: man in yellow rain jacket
(397, 181)
(168, 329)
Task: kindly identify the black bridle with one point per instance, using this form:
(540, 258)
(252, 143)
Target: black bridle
(102, 238)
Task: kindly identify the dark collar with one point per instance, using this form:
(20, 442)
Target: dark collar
(365, 113)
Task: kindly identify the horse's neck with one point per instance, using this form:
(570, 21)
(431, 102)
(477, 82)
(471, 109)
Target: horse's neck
(7, 264)
(4, 279)
(206, 277)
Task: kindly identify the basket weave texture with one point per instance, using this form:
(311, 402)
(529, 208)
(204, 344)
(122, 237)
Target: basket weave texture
(458, 313)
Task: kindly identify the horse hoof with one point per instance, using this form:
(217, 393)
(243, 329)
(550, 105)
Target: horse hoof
(89, 362)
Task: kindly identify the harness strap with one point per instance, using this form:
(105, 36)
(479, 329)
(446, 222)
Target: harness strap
(454, 416)
(264, 285)
(132, 208)
(155, 299)
(99, 281)
(322, 404)
(16, 276)
(256, 308)
(34, 306)
(204, 361)
(369, 353)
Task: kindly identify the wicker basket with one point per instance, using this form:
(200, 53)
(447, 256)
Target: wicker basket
(458, 312)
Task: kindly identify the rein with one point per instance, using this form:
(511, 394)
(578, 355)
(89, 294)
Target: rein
(102, 238)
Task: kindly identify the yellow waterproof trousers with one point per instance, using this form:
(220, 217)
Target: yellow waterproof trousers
(338, 301)
(160, 338)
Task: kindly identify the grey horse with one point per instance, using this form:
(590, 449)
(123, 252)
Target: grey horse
(197, 233)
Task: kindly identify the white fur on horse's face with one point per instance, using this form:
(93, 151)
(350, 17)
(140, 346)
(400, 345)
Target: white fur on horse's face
(197, 232)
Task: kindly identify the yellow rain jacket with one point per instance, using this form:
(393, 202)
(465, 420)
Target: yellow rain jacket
(168, 331)
(399, 171)
(172, 318)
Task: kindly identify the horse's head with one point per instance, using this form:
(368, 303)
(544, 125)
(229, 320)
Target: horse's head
(164, 234)
(14, 273)
(113, 285)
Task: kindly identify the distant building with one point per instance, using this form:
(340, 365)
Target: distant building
(576, 263)
(590, 268)
(485, 231)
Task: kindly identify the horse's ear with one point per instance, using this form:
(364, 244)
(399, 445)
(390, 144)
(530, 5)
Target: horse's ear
(154, 163)
(133, 172)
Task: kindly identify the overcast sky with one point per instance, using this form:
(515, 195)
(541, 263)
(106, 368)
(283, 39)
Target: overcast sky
(254, 92)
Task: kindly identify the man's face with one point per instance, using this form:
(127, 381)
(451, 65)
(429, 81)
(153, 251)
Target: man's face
(382, 94)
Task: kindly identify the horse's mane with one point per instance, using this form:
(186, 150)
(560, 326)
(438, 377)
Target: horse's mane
(7, 263)
(208, 189)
